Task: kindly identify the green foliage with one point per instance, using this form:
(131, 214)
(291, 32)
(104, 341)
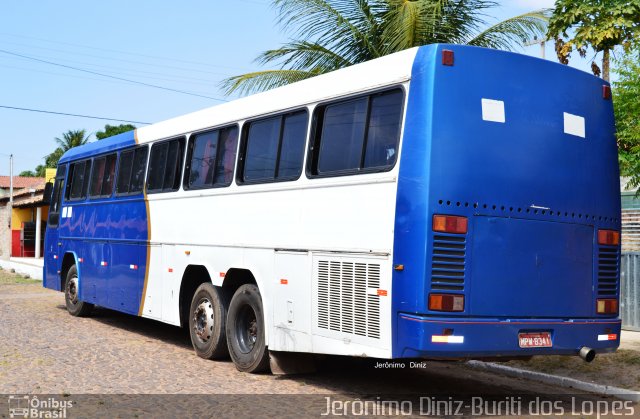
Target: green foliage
(626, 100)
(598, 24)
(72, 138)
(111, 130)
(27, 173)
(333, 34)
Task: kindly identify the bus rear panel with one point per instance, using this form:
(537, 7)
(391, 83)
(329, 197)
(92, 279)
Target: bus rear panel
(508, 209)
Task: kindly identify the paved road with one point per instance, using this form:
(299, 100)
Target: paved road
(44, 350)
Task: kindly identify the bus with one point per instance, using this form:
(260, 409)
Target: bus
(443, 202)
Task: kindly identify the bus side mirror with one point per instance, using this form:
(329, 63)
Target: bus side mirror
(46, 195)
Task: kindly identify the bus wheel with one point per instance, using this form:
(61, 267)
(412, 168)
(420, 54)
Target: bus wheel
(206, 322)
(246, 330)
(74, 306)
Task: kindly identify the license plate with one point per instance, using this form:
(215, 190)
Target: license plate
(534, 340)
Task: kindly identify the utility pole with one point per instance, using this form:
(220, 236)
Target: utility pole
(10, 188)
(542, 43)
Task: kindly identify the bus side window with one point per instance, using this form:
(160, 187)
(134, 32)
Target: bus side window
(101, 184)
(78, 181)
(131, 171)
(273, 148)
(357, 135)
(56, 197)
(211, 158)
(165, 166)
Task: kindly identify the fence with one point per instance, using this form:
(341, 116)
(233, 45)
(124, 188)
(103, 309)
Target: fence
(630, 290)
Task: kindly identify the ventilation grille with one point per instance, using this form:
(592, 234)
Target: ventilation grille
(348, 298)
(447, 262)
(608, 271)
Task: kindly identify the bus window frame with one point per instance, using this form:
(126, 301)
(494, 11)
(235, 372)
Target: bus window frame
(144, 177)
(181, 162)
(189, 154)
(315, 134)
(69, 182)
(61, 177)
(244, 137)
(93, 165)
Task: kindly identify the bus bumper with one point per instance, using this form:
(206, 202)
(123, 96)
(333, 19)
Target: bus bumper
(454, 338)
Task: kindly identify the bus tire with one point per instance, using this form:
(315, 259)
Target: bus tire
(75, 307)
(207, 317)
(246, 330)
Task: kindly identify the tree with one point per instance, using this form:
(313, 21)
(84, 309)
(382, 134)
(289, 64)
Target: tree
(27, 173)
(72, 138)
(111, 130)
(626, 91)
(598, 24)
(333, 34)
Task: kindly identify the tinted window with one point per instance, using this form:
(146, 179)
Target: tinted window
(342, 136)
(78, 180)
(358, 134)
(101, 184)
(274, 148)
(262, 150)
(212, 158)
(165, 166)
(131, 171)
(97, 176)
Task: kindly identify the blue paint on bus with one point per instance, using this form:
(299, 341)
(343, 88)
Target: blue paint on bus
(107, 237)
(534, 197)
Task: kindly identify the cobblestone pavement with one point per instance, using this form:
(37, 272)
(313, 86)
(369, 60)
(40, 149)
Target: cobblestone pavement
(44, 350)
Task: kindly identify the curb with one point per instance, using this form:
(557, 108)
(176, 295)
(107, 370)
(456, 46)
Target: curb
(620, 393)
(34, 272)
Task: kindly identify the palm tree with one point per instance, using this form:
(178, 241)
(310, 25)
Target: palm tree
(333, 34)
(72, 138)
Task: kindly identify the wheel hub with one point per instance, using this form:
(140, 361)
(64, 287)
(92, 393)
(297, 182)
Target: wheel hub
(73, 290)
(203, 320)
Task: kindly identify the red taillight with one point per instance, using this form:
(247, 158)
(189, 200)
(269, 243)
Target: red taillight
(450, 224)
(607, 306)
(609, 237)
(446, 302)
(447, 57)
(606, 92)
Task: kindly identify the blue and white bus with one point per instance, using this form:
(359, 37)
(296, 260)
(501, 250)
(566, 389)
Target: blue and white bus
(441, 202)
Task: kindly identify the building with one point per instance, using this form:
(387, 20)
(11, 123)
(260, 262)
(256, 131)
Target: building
(19, 235)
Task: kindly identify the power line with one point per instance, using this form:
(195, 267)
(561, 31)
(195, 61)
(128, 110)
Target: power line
(110, 76)
(73, 114)
(136, 54)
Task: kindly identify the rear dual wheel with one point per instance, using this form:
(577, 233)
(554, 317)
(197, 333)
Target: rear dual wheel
(207, 317)
(246, 330)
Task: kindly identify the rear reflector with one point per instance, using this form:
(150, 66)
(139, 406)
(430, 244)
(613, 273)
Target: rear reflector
(446, 302)
(606, 92)
(450, 224)
(607, 306)
(609, 237)
(447, 57)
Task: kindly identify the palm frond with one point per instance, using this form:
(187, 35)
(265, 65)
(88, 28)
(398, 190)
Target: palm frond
(514, 32)
(260, 81)
(303, 55)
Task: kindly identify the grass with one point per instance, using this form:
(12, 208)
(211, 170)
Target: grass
(7, 277)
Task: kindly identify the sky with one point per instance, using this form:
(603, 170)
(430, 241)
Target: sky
(187, 46)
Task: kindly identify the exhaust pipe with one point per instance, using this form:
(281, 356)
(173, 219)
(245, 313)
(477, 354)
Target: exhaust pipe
(587, 354)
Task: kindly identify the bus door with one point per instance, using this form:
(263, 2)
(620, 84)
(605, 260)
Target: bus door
(52, 243)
